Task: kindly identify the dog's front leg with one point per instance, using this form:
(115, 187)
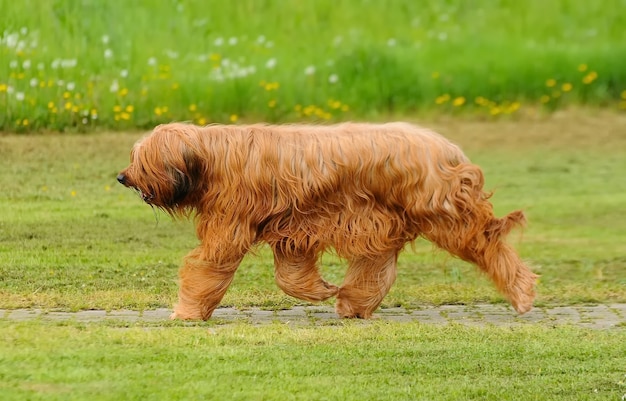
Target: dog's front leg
(297, 275)
(203, 283)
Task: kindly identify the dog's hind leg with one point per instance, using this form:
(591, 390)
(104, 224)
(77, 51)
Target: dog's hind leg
(202, 285)
(367, 282)
(485, 246)
(297, 275)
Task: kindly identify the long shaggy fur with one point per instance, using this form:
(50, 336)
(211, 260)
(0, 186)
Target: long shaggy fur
(365, 190)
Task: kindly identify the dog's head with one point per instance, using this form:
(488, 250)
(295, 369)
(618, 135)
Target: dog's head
(166, 167)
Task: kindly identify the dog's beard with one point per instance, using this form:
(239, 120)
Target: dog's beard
(145, 196)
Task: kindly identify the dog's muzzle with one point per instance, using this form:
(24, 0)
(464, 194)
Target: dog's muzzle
(121, 178)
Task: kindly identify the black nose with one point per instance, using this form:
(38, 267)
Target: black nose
(121, 178)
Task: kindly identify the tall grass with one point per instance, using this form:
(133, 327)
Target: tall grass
(83, 64)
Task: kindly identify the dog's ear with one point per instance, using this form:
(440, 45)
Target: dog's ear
(187, 176)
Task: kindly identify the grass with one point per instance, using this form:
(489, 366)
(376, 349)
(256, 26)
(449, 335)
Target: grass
(84, 65)
(72, 238)
(381, 361)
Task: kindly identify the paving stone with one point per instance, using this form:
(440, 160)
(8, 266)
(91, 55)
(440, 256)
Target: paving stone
(563, 315)
(24, 314)
(590, 316)
(429, 316)
(230, 314)
(156, 314)
(90, 315)
(123, 314)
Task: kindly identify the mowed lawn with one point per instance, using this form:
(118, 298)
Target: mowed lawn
(72, 238)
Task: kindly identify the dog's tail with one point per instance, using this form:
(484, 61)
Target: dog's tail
(464, 225)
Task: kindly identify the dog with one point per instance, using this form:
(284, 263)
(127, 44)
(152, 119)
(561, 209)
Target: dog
(365, 190)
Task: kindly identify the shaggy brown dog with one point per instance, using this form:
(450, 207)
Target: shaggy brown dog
(363, 189)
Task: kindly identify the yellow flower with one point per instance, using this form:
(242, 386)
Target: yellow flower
(73, 193)
(158, 111)
(233, 118)
(215, 57)
(202, 121)
(125, 116)
(481, 101)
(66, 95)
(298, 107)
(459, 101)
(623, 94)
(495, 111)
(130, 108)
(513, 107)
(566, 87)
(582, 67)
(75, 109)
(544, 99)
(434, 75)
(50, 105)
(271, 86)
(271, 103)
(68, 105)
(622, 104)
(117, 108)
(590, 77)
(334, 104)
(165, 109)
(550, 82)
(25, 122)
(175, 86)
(442, 99)
(123, 92)
(345, 107)
(193, 107)
(107, 188)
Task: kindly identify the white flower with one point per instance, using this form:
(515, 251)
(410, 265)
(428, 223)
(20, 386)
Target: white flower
(26, 64)
(219, 41)
(269, 44)
(310, 70)
(10, 90)
(115, 86)
(260, 39)
(171, 53)
(271, 63)
(55, 63)
(34, 82)
(69, 63)
(391, 42)
(41, 66)
(442, 36)
(333, 78)
(108, 53)
(70, 86)
(105, 39)
(13, 64)
(24, 31)
(152, 61)
(60, 82)
(124, 73)
(19, 96)
(232, 41)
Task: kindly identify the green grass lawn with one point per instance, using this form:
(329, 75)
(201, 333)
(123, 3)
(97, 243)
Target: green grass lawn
(354, 361)
(72, 238)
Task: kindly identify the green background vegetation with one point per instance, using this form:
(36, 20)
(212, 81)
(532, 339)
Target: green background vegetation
(74, 64)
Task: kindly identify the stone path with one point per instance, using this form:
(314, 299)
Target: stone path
(611, 316)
